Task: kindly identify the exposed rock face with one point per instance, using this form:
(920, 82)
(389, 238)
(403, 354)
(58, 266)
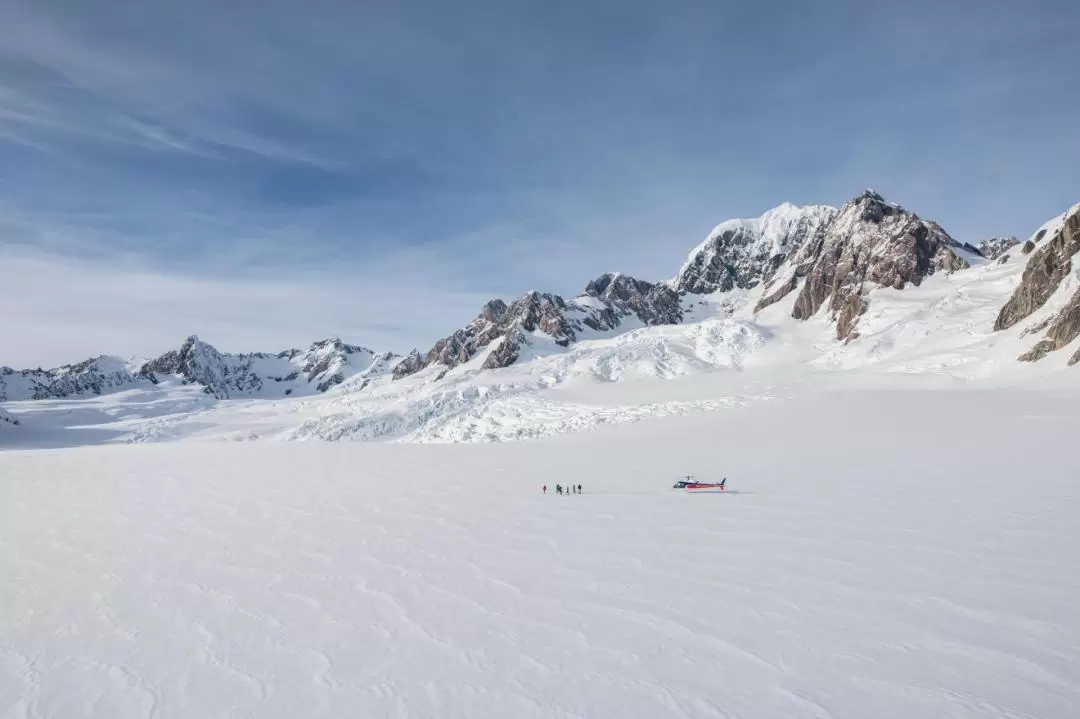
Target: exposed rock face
(7, 420)
(778, 292)
(413, 362)
(994, 247)
(745, 253)
(1045, 270)
(496, 321)
(1064, 328)
(654, 304)
(871, 242)
(604, 305)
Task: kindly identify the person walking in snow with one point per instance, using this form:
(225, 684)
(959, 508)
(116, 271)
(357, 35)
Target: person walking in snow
(545, 489)
(579, 489)
(558, 489)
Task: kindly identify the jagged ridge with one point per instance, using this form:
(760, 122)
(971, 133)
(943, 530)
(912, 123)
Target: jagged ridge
(604, 305)
(841, 253)
(316, 369)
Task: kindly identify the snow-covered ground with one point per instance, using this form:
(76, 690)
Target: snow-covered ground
(901, 553)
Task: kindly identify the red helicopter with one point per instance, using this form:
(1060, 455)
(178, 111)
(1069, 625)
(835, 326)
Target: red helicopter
(691, 485)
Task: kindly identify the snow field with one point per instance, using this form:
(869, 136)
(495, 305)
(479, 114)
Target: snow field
(884, 553)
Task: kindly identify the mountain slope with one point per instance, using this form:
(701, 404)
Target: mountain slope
(871, 241)
(1049, 266)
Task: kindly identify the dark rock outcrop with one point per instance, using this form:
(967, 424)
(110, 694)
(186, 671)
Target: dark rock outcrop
(653, 304)
(1045, 270)
(411, 364)
(1064, 328)
(871, 242)
(994, 247)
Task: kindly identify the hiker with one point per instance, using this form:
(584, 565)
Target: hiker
(545, 489)
(579, 489)
(558, 489)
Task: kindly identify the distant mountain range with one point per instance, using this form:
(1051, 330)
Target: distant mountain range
(821, 261)
(314, 370)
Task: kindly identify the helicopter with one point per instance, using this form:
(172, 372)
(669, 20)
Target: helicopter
(691, 485)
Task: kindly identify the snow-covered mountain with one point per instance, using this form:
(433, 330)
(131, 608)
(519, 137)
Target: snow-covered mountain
(836, 256)
(870, 243)
(870, 287)
(744, 253)
(321, 366)
(92, 376)
(314, 370)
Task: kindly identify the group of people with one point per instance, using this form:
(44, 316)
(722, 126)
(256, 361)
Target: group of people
(560, 489)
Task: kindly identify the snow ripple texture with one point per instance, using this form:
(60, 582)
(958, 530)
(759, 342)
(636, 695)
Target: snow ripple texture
(928, 569)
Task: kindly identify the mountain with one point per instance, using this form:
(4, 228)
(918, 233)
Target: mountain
(314, 370)
(92, 376)
(838, 255)
(994, 247)
(321, 366)
(1049, 274)
(810, 262)
(609, 302)
(746, 252)
(869, 243)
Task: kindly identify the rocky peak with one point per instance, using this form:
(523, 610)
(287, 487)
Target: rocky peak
(743, 253)
(870, 242)
(875, 208)
(623, 295)
(994, 247)
(196, 362)
(616, 285)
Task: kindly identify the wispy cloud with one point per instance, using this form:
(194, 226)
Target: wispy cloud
(494, 147)
(59, 311)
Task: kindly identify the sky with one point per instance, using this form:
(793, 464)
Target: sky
(265, 174)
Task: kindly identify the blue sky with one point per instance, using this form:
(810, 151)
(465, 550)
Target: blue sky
(267, 173)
